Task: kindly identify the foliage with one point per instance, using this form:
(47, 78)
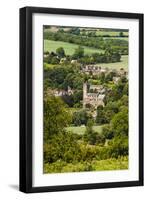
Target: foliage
(62, 146)
(101, 117)
(95, 165)
(60, 52)
(91, 136)
(73, 139)
(56, 117)
(118, 45)
(119, 122)
(107, 132)
(81, 117)
(79, 53)
(119, 146)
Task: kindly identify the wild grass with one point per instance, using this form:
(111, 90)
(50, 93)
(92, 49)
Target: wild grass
(95, 165)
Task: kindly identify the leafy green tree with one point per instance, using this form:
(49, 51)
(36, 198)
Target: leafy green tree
(54, 60)
(81, 117)
(68, 99)
(119, 123)
(60, 52)
(119, 146)
(109, 76)
(101, 118)
(57, 76)
(74, 30)
(121, 34)
(123, 101)
(107, 132)
(91, 136)
(102, 77)
(78, 96)
(62, 147)
(56, 116)
(79, 53)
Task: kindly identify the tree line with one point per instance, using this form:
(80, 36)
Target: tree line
(109, 56)
(118, 45)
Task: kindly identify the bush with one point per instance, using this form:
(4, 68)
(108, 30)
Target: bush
(107, 132)
(62, 146)
(80, 117)
(119, 146)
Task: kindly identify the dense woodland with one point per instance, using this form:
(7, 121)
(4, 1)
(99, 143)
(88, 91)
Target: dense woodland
(65, 151)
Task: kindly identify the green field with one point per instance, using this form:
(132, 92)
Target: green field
(117, 65)
(110, 33)
(94, 165)
(50, 45)
(81, 129)
(116, 38)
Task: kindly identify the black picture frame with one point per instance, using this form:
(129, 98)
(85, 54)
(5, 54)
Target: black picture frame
(26, 99)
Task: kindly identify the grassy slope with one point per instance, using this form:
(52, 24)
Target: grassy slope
(50, 45)
(117, 65)
(111, 33)
(119, 38)
(81, 129)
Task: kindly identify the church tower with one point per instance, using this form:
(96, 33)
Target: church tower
(84, 94)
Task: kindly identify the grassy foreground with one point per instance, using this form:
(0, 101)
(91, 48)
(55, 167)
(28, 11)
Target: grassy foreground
(94, 165)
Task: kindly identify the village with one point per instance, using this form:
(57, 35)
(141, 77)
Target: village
(85, 99)
(93, 95)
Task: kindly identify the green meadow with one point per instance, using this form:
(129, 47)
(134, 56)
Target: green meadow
(81, 129)
(50, 45)
(117, 65)
(110, 33)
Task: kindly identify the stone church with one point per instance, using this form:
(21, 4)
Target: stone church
(93, 96)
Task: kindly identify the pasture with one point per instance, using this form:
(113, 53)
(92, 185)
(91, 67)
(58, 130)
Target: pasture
(116, 38)
(117, 65)
(81, 129)
(110, 33)
(50, 45)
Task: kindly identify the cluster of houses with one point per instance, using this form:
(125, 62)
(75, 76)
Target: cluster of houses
(60, 93)
(93, 96)
(93, 69)
(97, 70)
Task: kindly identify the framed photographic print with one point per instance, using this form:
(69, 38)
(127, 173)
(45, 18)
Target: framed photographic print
(81, 99)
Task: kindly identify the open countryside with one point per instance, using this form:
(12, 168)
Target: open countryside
(117, 65)
(50, 45)
(85, 99)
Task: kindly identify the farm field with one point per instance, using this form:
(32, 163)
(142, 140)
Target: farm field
(50, 45)
(81, 129)
(111, 33)
(117, 65)
(118, 38)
